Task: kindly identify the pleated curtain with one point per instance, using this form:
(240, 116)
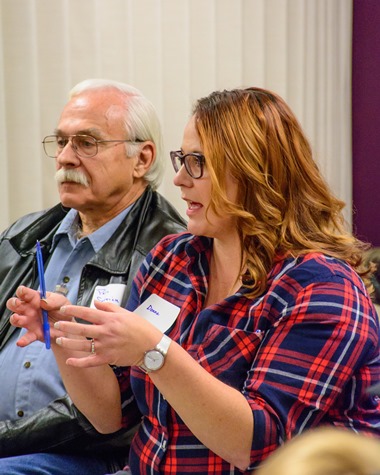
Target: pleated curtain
(174, 51)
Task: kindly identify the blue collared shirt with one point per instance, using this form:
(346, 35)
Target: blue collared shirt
(30, 377)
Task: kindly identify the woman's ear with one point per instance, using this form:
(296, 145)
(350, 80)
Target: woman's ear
(145, 159)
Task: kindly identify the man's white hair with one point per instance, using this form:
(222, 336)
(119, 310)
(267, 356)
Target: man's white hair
(141, 121)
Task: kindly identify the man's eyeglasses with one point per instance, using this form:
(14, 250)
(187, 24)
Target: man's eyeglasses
(194, 163)
(84, 146)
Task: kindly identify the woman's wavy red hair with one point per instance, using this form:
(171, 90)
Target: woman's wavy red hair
(284, 205)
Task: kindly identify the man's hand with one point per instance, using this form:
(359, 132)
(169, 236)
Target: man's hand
(27, 313)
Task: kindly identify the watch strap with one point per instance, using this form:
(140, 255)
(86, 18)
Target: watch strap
(162, 347)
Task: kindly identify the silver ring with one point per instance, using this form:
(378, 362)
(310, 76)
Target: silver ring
(93, 347)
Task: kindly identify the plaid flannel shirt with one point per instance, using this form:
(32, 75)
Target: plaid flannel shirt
(303, 354)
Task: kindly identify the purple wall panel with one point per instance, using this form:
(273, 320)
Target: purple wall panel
(366, 119)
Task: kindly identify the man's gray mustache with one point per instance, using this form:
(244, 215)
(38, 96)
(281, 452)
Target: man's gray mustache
(71, 175)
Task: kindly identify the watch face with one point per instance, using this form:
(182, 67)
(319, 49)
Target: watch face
(153, 360)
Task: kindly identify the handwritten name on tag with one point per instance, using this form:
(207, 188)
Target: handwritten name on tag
(158, 312)
(111, 293)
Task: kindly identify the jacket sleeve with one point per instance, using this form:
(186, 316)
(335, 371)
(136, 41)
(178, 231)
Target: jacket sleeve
(61, 428)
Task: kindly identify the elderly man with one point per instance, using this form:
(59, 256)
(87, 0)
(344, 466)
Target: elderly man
(107, 150)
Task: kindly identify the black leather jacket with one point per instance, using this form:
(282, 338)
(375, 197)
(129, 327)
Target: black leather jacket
(60, 427)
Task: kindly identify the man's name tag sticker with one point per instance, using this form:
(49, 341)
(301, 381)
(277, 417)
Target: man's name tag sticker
(111, 293)
(158, 312)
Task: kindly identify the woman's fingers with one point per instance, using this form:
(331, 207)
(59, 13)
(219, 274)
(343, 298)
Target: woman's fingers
(101, 343)
(87, 362)
(86, 345)
(107, 306)
(88, 355)
(77, 329)
(97, 316)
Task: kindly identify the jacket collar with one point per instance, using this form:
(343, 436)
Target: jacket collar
(42, 229)
(123, 243)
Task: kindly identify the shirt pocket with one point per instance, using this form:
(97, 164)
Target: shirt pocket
(227, 353)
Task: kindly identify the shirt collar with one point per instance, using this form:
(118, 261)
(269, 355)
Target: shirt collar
(98, 238)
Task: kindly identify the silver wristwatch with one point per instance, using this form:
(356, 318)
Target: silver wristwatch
(155, 359)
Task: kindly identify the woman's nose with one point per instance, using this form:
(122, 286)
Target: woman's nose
(182, 178)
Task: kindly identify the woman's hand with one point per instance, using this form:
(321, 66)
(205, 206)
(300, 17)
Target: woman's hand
(119, 337)
(27, 313)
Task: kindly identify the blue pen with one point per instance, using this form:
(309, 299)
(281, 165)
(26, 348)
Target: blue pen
(45, 320)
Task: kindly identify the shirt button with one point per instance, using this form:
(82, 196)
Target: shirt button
(66, 279)
(27, 364)
(20, 413)
(164, 444)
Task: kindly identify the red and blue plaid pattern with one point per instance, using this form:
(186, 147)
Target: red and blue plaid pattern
(303, 354)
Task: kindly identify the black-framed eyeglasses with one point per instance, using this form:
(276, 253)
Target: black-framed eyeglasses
(84, 146)
(194, 163)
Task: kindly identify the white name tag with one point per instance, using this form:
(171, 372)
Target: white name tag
(158, 312)
(111, 293)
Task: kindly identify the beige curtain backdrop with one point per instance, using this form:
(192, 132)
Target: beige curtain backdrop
(175, 51)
